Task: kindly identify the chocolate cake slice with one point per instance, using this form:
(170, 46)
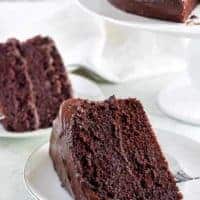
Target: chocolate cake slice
(173, 10)
(108, 150)
(33, 83)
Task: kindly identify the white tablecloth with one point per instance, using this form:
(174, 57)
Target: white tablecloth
(115, 52)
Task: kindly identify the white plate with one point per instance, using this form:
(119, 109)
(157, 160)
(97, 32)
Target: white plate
(83, 88)
(180, 100)
(42, 182)
(105, 9)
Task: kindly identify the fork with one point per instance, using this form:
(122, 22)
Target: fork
(83, 70)
(181, 177)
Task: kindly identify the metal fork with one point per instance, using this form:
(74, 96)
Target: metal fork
(83, 70)
(182, 177)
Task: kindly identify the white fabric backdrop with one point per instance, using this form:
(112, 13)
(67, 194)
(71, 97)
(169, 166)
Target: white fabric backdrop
(117, 53)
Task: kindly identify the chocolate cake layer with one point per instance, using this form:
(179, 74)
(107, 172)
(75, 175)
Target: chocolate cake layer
(33, 83)
(16, 97)
(108, 150)
(48, 75)
(173, 10)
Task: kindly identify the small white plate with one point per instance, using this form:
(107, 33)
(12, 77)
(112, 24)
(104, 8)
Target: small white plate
(83, 88)
(180, 100)
(42, 182)
(104, 9)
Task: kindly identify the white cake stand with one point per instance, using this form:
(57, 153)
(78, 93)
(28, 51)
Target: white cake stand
(181, 99)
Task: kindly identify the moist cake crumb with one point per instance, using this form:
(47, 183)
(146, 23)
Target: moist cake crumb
(33, 83)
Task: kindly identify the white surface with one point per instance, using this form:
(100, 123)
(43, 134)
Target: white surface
(13, 13)
(83, 88)
(139, 53)
(43, 183)
(181, 100)
(193, 63)
(105, 9)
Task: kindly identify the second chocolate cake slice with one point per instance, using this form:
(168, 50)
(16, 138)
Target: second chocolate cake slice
(108, 150)
(33, 83)
(51, 85)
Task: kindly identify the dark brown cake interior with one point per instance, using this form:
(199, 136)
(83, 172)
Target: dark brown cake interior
(15, 87)
(109, 151)
(33, 83)
(48, 75)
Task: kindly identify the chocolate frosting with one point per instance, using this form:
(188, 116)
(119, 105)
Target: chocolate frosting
(173, 10)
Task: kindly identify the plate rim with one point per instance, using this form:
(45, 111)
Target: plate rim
(25, 179)
(34, 194)
(169, 27)
(24, 135)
